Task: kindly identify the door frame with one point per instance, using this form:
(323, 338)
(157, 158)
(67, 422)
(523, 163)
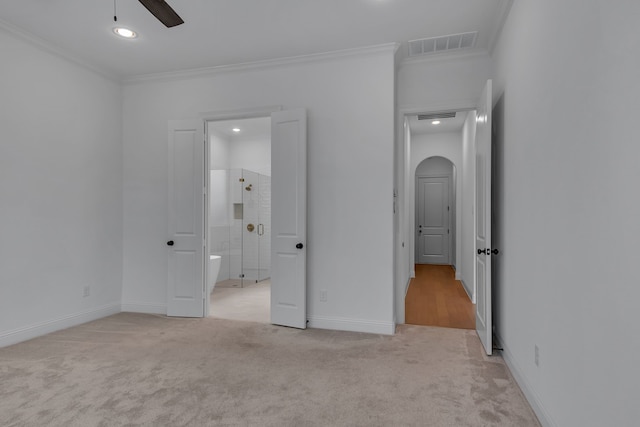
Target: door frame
(452, 220)
(403, 267)
(215, 116)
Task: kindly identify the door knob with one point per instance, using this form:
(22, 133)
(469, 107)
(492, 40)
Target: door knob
(299, 246)
(495, 252)
(482, 251)
(170, 243)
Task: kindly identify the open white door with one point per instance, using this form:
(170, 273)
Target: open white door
(186, 291)
(289, 218)
(484, 325)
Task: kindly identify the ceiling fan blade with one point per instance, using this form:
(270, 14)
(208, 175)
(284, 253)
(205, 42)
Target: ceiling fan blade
(161, 10)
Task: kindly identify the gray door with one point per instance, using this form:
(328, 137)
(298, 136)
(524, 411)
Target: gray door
(432, 220)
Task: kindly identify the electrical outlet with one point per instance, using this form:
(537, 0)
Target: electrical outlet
(86, 291)
(536, 355)
(323, 295)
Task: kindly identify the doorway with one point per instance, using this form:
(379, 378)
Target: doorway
(435, 212)
(435, 166)
(239, 220)
(189, 281)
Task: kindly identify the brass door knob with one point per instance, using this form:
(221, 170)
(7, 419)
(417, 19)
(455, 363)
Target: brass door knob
(250, 227)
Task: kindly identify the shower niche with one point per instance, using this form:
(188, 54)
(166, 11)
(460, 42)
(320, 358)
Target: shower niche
(240, 225)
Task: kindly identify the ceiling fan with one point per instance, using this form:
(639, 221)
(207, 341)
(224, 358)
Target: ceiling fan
(161, 10)
(158, 8)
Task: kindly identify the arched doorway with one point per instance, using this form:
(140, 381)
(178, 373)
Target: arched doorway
(435, 212)
(434, 296)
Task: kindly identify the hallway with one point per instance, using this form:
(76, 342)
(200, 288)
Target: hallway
(435, 298)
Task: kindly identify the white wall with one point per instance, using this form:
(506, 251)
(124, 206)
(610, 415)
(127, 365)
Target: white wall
(449, 146)
(567, 211)
(442, 81)
(350, 106)
(253, 154)
(219, 151)
(61, 192)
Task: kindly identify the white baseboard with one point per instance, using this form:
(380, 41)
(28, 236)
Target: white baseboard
(353, 325)
(464, 286)
(530, 395)
(32, 331)
(143, 307)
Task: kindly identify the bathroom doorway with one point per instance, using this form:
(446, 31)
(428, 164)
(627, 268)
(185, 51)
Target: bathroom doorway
(239, 220)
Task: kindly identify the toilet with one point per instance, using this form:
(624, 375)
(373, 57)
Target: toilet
(214, 269)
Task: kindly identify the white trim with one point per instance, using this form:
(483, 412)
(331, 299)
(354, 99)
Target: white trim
(143, 307)
(437, 107)
(260, 65)
(46, 46)
(532, 397)
(240, 113)
(353, 325)
(444, 57)
(406, 288)
(26, 333)
(466, 290)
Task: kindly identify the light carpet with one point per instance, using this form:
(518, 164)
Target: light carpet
(251, 303)
(136, 369)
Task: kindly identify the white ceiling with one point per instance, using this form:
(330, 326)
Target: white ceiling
(420, 127)
(224, 32)
(250, 129)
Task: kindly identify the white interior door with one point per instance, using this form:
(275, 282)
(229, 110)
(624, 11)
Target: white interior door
(433, 220)
(186, 267)
(288, 218)
(484, 325)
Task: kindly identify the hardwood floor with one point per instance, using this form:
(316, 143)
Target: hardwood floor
(435, 298)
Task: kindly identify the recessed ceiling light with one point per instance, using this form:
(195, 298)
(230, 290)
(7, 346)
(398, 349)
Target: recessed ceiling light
(435, 122)
(236, 129)
(125, 32)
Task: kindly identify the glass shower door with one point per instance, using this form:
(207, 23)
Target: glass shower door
(264, 228)
(250, 229)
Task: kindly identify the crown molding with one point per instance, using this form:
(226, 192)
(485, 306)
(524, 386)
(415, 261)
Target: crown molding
(259, 65)
(48, 47)
(445, 57)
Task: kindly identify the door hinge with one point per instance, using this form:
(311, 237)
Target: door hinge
(242, 276)
(241, 180)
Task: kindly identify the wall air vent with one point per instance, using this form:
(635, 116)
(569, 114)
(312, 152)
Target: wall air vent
(442, 44)
(436, 116)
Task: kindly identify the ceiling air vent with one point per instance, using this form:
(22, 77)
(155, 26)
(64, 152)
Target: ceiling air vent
(442, 44)
(436, 116)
